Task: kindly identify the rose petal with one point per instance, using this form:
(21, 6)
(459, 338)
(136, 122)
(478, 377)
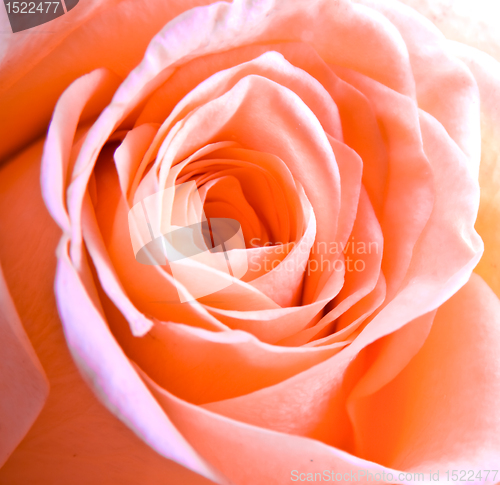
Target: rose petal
(108, 371)
(270, 65)
(440, 412)
(90, 93)
(445, 88)
(277, 454)
(201, 366)
(128, 156)
(487, 74)
(471, 23)
(359, 280)
(409, 181)
(23, 384)
(383, 361)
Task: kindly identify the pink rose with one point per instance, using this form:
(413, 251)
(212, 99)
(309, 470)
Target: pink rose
(257, 246)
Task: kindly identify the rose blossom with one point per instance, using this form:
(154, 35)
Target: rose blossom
(315, 126)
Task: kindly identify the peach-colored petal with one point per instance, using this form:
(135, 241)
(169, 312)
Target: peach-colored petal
(433, 277)
(280, 457)
(23, 384)
(445, 87)
(357, 117)
(487, 74)
(285, 192)
(188, 76)
(350, 168)
(440, 412)
(473, 23)
(223, 196)
(139, 323)
(383, 361)
(271, 325)
(92, 93)
(254, 300)
(75, 249)
(151, 288)
(284, 283)
(311, 403)
(270, 65)
(361, 277)
(128, 156)
(202, 366)
(271, 228)
(409, 176)
(348, 324)
(107, 369)
(393, 353)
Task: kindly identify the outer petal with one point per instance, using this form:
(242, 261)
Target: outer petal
(23, 385)
(487, 73)
(474, 23)
(75, 439)
(445, 88)
(255, 455)
(109, 372)
(441, 411)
